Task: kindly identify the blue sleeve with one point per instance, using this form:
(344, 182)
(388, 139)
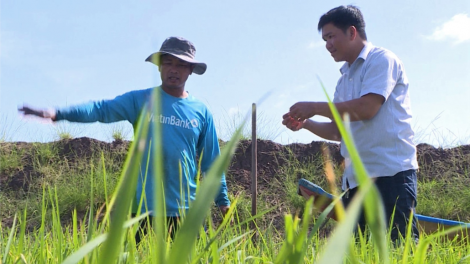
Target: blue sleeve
(208, 145)
(121, 108)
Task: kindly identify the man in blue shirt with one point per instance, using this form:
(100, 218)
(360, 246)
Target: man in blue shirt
(188, 130)
(373, 90)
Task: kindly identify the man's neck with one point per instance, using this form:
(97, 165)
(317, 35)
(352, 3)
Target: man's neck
(175, 92)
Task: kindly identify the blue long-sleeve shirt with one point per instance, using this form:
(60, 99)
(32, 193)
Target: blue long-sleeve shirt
(187, 132)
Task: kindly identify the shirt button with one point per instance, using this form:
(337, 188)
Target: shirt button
(350, 79)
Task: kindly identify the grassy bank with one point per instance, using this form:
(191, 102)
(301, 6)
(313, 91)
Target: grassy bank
(57, 198)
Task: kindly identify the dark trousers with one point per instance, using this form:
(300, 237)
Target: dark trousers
(147, 223)
(399, 193)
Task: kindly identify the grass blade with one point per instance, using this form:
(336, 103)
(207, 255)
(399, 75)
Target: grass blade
(22, 231)
(78, 255)
(424, 243)
(159, 194)
(91, 222)
(10, 239)
(125, 192)
(187, 235)
(339, 241)
(373, 206)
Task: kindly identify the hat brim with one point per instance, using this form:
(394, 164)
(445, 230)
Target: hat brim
(199, 67)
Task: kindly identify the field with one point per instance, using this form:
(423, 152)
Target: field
(59, 192)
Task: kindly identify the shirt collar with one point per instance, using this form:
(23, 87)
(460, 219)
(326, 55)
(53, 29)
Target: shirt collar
(365, 51)
(362, 55)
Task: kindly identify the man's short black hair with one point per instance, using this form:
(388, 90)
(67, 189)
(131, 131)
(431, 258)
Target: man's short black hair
(343, 17)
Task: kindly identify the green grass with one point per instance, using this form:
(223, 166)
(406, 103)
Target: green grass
(119, 132)
(53, 242)
(454, 205)
(71, 186)
(44, 167)
(10, 158)
(65, 130)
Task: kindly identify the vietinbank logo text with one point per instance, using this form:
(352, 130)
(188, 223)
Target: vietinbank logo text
(174, 121)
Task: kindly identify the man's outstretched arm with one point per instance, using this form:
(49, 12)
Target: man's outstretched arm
(122, 107)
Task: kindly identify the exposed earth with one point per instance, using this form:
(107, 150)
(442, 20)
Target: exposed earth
(272, 159)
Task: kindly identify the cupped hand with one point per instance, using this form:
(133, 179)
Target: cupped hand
(292, 123)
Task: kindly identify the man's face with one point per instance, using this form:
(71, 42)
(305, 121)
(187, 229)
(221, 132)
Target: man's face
(337, 42)
(174, 72)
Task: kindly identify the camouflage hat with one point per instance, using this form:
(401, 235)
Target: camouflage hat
(180, 48)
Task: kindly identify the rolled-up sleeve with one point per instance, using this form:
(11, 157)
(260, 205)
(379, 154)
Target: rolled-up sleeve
(381, 74)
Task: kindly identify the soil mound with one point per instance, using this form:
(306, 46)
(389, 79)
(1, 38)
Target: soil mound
(17, 175)
(19, 159)
(271, 158)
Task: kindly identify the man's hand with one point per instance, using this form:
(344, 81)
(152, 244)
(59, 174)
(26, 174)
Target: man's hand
(302, 110)
(292, 123)
(224, 209)
(42, 113)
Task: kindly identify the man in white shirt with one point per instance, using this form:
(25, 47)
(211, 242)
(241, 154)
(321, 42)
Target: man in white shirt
(373, 90)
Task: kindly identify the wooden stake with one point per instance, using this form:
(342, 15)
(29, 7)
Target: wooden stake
(254, 165)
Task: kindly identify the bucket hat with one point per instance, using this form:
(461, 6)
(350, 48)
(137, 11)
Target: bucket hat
(182, 49)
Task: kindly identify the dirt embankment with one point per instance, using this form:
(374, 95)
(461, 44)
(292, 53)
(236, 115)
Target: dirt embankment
(435, 162)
